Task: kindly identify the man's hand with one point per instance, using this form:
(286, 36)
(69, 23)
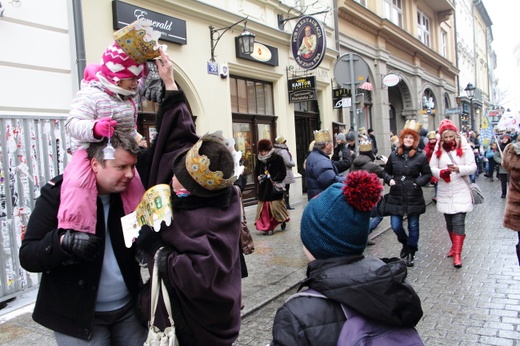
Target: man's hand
(153, 85)
(83, 245)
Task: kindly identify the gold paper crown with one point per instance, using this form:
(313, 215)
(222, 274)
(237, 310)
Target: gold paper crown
(280, 140)
(365, 145)
(413, 125)
(322, 136)
(431, 135)
(139, 40)
(198, 165)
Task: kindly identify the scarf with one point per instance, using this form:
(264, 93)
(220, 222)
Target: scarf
(114, 89)
(266, 157)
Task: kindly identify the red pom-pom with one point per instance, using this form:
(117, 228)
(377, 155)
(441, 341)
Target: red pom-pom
(362, 190)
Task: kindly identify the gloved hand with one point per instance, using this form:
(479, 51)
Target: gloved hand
(149, 241)
(83, 245)
(153, 85)
(445, 174)
(104, 127)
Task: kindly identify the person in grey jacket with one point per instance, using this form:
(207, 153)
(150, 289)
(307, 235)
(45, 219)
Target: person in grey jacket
(334, 232)
(281, 148)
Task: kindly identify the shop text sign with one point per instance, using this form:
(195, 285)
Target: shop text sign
(302, 89)
(172, 29)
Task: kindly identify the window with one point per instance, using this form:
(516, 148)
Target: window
(423, 28)
(394, 12)
(444, 44)
(251, 97)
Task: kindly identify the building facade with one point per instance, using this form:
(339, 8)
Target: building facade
(409, 47)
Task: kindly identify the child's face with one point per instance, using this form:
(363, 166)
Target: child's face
(177, 186)
(129, 84)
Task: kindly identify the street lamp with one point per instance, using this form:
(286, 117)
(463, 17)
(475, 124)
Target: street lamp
(470, 91)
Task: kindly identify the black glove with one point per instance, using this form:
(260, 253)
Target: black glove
(83, 245)
(153, 85)
(149, 241)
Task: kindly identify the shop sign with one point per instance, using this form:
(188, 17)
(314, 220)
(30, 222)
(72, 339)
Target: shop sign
(172, 29)
(302, 89)
(308, 42)
(341, 98)
(391, 80)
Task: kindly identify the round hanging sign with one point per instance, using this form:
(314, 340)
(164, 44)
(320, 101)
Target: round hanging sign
(308, 43)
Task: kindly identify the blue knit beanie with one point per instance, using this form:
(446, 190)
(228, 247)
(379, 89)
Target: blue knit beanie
(336, 223)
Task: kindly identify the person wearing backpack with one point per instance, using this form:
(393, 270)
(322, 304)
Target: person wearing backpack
(334, 232)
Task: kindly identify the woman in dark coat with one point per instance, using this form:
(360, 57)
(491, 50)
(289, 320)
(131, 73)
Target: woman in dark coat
(270, 169)
(407, 170)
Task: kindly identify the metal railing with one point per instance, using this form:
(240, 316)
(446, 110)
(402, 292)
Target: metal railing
(32, 151)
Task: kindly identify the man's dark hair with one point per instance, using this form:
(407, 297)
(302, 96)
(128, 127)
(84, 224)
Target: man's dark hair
(123, 140)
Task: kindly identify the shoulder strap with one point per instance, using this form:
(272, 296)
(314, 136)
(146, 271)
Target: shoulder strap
(307, 293)
(156, 291)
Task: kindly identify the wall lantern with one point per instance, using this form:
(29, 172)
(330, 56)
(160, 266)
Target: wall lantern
(246, 39)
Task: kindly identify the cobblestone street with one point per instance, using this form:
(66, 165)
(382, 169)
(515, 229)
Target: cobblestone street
(478, 304)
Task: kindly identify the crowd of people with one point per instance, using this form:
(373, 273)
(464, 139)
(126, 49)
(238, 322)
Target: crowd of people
(91, 289)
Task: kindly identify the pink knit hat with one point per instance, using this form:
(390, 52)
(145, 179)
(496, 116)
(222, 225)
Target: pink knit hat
(117, 65)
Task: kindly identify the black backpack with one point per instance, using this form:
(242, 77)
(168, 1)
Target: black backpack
(359, 330)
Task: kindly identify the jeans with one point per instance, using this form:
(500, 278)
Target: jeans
(412, 239)
(374, 222)
(375, 218)
(111, 328)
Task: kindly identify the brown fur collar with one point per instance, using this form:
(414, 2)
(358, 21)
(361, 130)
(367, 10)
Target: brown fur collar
(400, 146)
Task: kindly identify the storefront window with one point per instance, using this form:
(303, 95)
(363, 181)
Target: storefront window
(251, 97)
(242, 136)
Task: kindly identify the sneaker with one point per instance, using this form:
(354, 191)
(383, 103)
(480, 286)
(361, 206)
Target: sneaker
(370, 242)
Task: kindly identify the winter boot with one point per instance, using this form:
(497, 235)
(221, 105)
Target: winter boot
(450, 253)
(458, 241)
(404, 251)
(286, 199)
(410, 258)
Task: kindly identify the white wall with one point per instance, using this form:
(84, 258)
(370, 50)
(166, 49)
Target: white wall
(36, 58)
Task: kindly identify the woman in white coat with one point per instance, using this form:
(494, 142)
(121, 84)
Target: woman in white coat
(452, 163)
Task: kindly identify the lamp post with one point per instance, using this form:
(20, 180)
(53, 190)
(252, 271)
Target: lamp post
(470, 91)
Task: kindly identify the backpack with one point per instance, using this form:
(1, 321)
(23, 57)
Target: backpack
(359, 330)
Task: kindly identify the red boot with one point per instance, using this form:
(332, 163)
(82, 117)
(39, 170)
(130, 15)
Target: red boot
(458, 241)
(450, 253)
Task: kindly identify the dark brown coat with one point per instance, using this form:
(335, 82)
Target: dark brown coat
(511, 164)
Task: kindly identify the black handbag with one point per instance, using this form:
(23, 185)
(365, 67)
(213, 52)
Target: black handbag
(381, 206)
(278, 188)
